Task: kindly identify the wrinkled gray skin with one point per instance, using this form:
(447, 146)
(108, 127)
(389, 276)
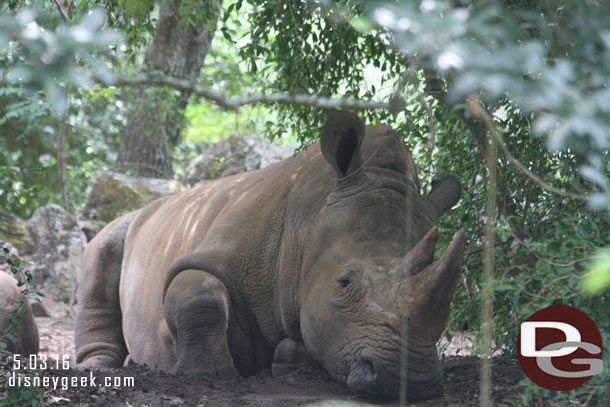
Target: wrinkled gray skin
(310, 260)
(27, 332)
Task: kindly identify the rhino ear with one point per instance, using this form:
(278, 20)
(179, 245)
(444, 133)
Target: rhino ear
(445, 193)
(341, 139)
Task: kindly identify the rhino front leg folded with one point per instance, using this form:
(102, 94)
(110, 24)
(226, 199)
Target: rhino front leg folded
(289, 355)
(99, 338)
(98, 329)
(197, 307)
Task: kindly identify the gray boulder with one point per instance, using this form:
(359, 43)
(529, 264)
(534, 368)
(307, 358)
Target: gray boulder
(12, 229)
(13, 252)
(110, 195)
(55, 249)
(238, 153)
(37, 308)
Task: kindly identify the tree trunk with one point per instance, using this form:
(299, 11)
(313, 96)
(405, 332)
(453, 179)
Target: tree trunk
(156, 116)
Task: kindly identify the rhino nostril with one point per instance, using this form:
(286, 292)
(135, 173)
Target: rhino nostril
(362, 378)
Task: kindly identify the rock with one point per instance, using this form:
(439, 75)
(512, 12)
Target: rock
(13, 253)
(39, 310)
(91, 227)
(238, 153)
(110, 195)
(12, 229)
(55, 250)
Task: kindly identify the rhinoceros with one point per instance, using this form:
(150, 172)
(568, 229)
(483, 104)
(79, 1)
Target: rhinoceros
(315, 258)
(27, 331)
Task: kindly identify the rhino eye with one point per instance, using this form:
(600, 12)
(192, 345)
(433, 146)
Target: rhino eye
(348, 276)
(344, 282)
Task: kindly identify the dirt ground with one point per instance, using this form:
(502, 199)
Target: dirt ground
(304, 387)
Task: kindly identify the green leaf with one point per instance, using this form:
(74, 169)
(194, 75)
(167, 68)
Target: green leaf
(56, 95)
(361, 24)
(598, 277)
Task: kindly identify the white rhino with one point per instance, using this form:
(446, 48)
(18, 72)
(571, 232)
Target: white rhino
(305, 259)
(27, 332)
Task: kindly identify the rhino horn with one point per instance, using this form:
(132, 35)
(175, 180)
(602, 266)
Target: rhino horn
(429, 290)
(420, 256)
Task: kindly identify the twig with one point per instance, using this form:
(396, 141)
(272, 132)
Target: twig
(481, 113)
(233, 103)
(61, 148)
(487, 289)
(61, 138)
(431, 132)
(434, 88)
(7, 70)
(548, 261)
(61, 12)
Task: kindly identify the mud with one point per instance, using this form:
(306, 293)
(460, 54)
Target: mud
(302, 387)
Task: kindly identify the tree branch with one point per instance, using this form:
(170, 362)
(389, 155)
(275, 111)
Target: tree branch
(481, 113)
(61, 12)
(478, 129)
(233, 103)
(61, 152)
(434, 88)
(431, 132)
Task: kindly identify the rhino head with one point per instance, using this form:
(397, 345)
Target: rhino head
(371, 293)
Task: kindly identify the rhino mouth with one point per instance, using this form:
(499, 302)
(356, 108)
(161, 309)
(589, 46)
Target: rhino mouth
(363, 380)
(373, 378)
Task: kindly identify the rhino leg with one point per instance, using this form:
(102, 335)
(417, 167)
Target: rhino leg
(28, 332)
(98, 328)
(197, 307)
(289, 355)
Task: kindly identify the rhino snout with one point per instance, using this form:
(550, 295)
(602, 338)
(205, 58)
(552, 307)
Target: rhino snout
(373, 377)
(363, 379)
(370, 377)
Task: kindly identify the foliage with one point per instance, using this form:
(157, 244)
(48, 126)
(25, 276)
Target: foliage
(551, 62)
(298, 47)
(599, 277)
(210, 124)
(24, 279)
(224, 69)
(28, 176)
(43, 59)
(19, 396)
(22, 396)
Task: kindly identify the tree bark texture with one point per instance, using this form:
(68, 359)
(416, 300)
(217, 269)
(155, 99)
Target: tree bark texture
(156, 115)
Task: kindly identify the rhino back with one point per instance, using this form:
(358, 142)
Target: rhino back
(234, 228)
(250, 230)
